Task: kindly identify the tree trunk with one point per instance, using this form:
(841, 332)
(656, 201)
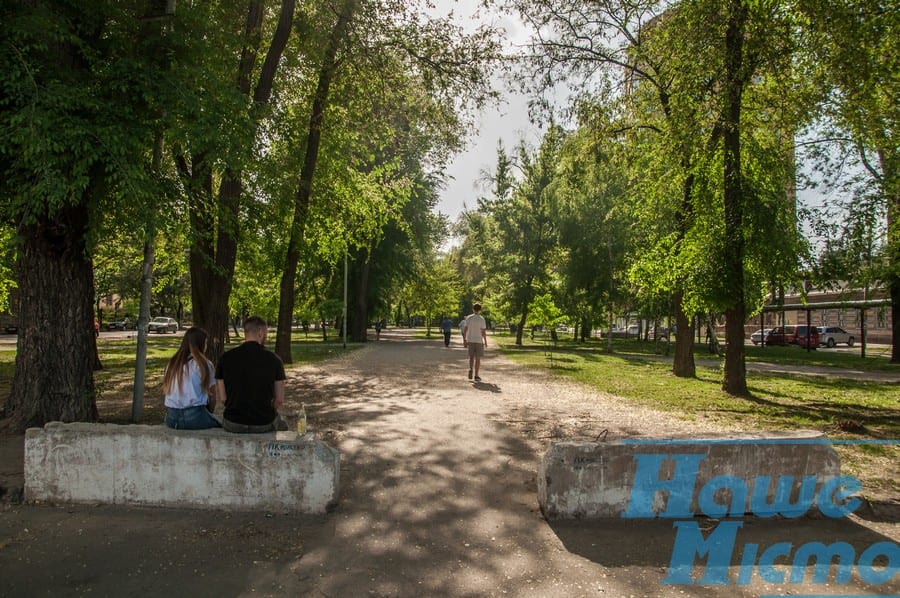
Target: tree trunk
(895, 320)
(140, 359)
(304, 188)
(215, 233)
(892, 193)
(735, 380)
(521, 326)
(53, 378)
(683, 365)
(359, 318)
(213, 270)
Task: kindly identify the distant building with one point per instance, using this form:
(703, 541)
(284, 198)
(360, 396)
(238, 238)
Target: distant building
(834, 308)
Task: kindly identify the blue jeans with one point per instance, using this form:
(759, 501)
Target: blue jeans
(191, 418)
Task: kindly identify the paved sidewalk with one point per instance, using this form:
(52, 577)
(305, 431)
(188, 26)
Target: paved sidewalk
(438, 498)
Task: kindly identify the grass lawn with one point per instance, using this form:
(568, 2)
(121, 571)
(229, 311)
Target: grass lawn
(841, 407)
(115, 382)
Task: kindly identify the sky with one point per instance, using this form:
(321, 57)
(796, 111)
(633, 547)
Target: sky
(506, 123)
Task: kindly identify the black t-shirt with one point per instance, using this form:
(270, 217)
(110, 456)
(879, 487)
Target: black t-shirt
(249, 372)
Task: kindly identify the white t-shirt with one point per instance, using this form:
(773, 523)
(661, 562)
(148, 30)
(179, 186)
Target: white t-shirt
(474, 325)
(189, 393)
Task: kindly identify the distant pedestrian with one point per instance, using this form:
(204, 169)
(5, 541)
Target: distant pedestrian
(250, 380)
(475, 340)
(447, 328)
(378, 329)
(189, 385)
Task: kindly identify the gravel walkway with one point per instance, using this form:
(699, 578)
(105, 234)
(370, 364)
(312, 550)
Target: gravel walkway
(438, 498)
(438, 491)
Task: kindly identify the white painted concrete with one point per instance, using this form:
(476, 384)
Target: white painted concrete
(597, 480)
(154, 465)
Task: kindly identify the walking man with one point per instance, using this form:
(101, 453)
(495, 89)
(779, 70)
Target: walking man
(475, 339)
(447, 328)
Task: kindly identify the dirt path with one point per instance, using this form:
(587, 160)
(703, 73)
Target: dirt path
(438, 482)
(433, 473)
(438, 498)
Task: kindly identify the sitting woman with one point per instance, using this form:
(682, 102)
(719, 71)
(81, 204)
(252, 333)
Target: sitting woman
(189, 385)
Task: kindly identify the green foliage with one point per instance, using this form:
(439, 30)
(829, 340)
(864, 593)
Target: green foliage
(543, 312)
(852, 48)
(7, 267)
(435, 293)
(516, 232)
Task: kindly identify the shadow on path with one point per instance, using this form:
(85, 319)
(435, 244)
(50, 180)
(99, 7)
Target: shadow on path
(438, 498)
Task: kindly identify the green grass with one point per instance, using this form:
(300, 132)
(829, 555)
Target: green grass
(115, 382)
(840, 407)
(877, 359)
(635, 372)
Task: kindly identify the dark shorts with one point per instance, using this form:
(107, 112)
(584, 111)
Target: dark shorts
(476, 350)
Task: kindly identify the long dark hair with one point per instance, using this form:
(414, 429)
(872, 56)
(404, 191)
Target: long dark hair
(192, 345)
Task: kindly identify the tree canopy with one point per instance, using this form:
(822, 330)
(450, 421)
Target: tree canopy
(240, 152)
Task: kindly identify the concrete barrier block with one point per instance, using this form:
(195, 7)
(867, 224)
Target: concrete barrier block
(671, 477)
(154, 465)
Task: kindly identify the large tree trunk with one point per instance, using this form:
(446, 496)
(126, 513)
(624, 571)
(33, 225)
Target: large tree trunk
(683, 365)
(304, 188)
(895, 319)
(56, 347)
(212, 260)
(735, 380)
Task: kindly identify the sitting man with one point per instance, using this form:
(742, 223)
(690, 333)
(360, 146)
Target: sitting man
(250, 381)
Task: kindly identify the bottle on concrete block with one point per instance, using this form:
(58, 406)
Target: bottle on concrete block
(301, 420)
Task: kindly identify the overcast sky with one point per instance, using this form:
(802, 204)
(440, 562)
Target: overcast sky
(507, 123)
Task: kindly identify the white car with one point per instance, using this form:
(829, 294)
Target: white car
(760, 336)
(834, 335)
(161, 325)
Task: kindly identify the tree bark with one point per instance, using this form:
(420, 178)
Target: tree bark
(53, 380)
(683, 365)
(304, 188)
(892, 193)
(735, 379)
(215, 232)
(359, 318)
(521, 327)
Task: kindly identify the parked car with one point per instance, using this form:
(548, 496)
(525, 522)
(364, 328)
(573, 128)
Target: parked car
(661, 331)
(125, 324)
(804, 336)
(760, 336)
(161, 325)
(833, 335)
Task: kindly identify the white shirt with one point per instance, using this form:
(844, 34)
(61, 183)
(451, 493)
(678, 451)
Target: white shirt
(189, 393)
(474, 325)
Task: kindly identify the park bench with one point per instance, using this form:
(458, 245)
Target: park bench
(158, 466)
(649, 477)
